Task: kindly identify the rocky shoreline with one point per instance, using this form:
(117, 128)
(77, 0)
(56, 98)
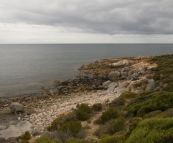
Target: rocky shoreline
(107, 79)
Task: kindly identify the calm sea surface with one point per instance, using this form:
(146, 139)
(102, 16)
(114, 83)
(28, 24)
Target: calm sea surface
(25, 68)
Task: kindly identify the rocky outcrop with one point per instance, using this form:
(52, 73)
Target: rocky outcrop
(114, 75)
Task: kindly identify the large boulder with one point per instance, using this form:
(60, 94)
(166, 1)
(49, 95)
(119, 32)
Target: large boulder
(151, 85)
(16, 107)
(114, 75)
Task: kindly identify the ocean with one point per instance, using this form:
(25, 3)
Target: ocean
(25, 68)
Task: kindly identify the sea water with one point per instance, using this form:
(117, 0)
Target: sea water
(25, 68)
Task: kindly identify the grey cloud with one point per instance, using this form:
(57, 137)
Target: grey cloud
(98, 16)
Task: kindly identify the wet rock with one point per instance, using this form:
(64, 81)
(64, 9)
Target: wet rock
(16, 107)
(151, 85)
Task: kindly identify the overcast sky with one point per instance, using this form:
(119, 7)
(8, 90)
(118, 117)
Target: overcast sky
(86, 21)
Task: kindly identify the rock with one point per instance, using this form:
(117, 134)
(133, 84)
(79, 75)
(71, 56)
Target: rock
(124, 74)
(143, 69)
(2, 140)
(12, 140)
(126, 69)
(29, 111)
(114, 75)
(120, 63)
(122, 87)
(135, 76)
(151, 85)
(112, 87)
(105, 84)
(103, 76)
(16, 107)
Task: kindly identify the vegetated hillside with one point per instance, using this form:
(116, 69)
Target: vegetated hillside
(164, 71)
(145, 117)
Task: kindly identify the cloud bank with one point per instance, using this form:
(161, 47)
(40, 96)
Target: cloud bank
(109, 17)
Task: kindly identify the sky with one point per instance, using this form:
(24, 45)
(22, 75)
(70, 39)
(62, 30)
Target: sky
(86, 21)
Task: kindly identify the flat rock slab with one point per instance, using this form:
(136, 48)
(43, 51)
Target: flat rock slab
(11, 127)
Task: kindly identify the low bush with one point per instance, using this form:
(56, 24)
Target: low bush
(59, 135)
(118, 102)
(111, 127)
(45, 139)
(109, 114)
(164, 70)
(97, 107)
(152, 131)
(108, 139)
(128, 95)
(150, 102)
(24, 141)
(83, 112)
(73, 126)
(57, 123)
(25, 136)
(123, 99)
(75, 140)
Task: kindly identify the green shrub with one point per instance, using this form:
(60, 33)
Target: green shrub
(116, 125)
(24, 141)
(57, 123)
(84, 107)
(109, 114)
(82, 115)
(152, 131)
(128, 95)
(97, 107)
(132, 125)
(83, 112)
(150, 102)
(25, 136)
(74, 127)
(108, 139)
(61, 136)
(118, 102)
(45, 139)
(123, 99)
(75, 140)
(111, 127)
(164, 70)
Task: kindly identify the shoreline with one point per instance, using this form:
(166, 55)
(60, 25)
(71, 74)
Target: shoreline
(111, 77)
